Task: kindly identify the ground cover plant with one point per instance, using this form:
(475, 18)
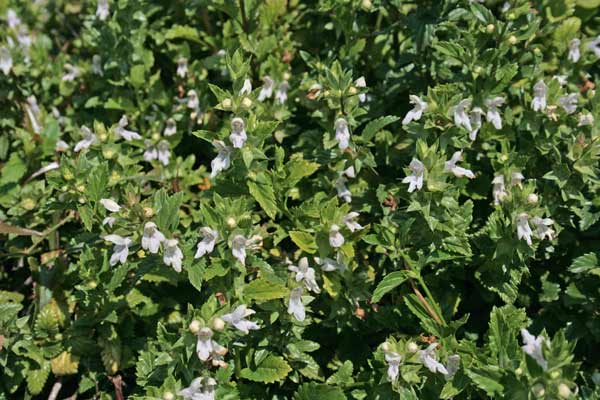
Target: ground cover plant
(285, 199)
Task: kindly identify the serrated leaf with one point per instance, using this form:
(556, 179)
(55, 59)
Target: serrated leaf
(262, 290)
(319, 391)
(271, 369)
(584, 263)
(36, 378)
(305, 241)
(183, 32)
(376, 125)
(64, 364)
(388, 283)
(262, 191)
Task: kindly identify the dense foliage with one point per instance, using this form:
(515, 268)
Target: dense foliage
(285, 199)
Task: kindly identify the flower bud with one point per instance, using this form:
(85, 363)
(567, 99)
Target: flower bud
(519, 371)
(174, 317)
(108, 153)
(168, 396)
(81, 200)
(490, 28)
(102, 137)
(156, 136)
(564, 391)
(537, 52)
(532, 198)
(80, 188)
(68, 175)
(231, 222)
(246, 102)
(326, 93)
(28, 203)
(504, 157)
(141, 253)
(538, 390)
(512, 39)
(511, 16)
(226, 104)
(366, 5)
(287, 76)
(555, 374)
(92, 284)
(218, 324)
(148, 212)
(352, 91)
(412, 347)
(194, 326)
(385, 347)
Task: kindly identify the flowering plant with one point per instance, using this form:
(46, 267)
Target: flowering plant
(373, 199)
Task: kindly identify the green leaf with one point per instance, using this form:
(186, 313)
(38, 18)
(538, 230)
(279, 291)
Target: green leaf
(376, 125)
(196, 275)
(137, 76)
(305, 241)
(589, 4)
(319, 391)
(271, 369)
(36, 378)
(13, 170)
(167, 214)
(343, 376)
(262, 191)
(389, 282)
(587, 263)
(97, 182)
(298, 169)
(505, 324)
(261, 290)
(183, 32)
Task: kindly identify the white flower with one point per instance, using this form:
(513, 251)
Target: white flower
(24, 39)
(568, 103)
(173, 255)
(207, 244)
(499, 189)
(415, 180)
(393, 359)
(71, 73)
(543, 227)
(88, 139)
(109, 220)
(182, 67)
(516, 178)
(6, 61)
(238, 248)
(33, 114)
(267, 88)
(342, 191)
(585, 119)
(120, 130)
(163, 152)
(342, 134)
(452, 366)
(193, 103)
(561, 79)
(350, 221)
(336, 239)
(450, 166)
(238, 135)
(330, 265)
(246, 88)
(305, 273)
(460, 114)
(594, 45)
(475, 117)
(295, 306)
(120, 250)
(152, 238)
(533, 347)
(97, 65)
(199, 389)
(417, 112)
(429, 359)
(361, 83)
(238, 319)
(223, 159)
(61, 145)
(493, 115)
(204, 345)
(170, 127)
(151, 152)
(12, 19)
(281, 94)
(349, 172)
(539, 96)
(523, 230)
(110, 205)
(102, 10)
